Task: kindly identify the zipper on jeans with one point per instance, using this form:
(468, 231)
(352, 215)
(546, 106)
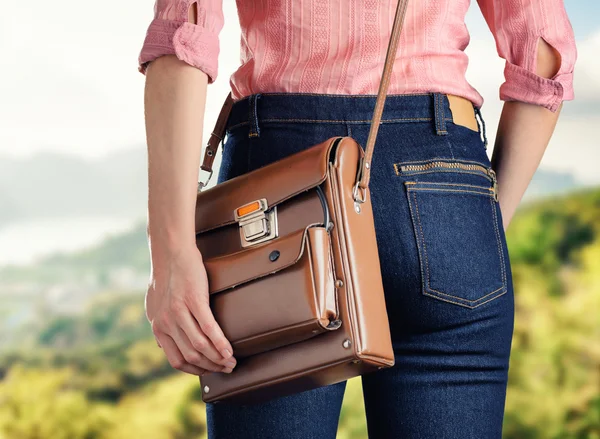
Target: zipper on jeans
(488, 171)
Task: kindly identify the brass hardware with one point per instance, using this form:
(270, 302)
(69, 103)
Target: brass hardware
(355, 361)
(492, 175)
(346, 344)
(257, 222)
(339, 283)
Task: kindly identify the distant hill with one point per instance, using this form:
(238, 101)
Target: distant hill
(62, 185)
(545, 183)
(90, 266)
(50, 185)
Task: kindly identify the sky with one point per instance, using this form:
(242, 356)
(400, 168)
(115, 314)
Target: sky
(69, 81)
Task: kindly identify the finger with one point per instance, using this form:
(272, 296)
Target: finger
(198, 341)
(176, 359)
(209, 326)
(192, 355)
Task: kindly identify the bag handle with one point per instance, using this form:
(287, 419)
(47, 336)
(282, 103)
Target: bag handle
(364, 169)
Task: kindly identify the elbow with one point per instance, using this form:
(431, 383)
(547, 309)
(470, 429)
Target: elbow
(548, 60)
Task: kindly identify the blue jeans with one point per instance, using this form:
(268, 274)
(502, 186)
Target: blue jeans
(444, 260)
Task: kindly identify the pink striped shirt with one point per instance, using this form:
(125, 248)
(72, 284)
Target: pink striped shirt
(339, 46)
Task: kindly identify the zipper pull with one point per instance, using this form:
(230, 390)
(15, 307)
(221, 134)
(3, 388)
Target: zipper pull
(492, 175)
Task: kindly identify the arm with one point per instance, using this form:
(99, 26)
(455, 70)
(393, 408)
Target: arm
(539, 48)
(177, 302)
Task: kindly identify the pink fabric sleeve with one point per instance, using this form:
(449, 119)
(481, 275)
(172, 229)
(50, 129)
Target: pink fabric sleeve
(517, 26)
(170, 33)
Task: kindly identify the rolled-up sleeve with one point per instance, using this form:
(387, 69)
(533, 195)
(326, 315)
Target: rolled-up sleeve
(517, 26)
(171, 33)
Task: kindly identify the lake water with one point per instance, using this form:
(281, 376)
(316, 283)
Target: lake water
(24, 242)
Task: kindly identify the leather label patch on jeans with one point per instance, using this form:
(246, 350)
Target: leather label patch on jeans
(463, 112)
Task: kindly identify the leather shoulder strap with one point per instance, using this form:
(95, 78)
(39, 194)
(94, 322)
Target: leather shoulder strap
(364, 171)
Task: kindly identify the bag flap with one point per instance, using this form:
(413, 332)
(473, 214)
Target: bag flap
(276, 182)
(228, 271)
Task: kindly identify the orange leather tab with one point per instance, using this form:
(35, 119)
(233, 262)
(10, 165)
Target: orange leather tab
(248, 208)
(463, 112)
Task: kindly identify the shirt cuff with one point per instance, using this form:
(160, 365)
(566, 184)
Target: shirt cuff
(190, 42)
(525, 86)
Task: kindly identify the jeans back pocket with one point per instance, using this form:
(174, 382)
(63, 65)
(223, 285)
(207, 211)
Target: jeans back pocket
(456, 223)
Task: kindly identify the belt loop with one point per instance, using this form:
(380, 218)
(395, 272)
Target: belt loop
(253, 115)
(439, 114)
(481, 126)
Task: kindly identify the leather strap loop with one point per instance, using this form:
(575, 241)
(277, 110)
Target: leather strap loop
(216, 137)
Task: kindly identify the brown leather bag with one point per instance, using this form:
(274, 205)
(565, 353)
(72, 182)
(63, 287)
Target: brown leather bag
(293, 267)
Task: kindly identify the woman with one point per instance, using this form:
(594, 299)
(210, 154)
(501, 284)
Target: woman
(315, 67)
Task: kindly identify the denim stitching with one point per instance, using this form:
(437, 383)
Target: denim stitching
(435, 112)
(405, 119)
(438, 158)
(250, 117)
(449, 190)
(462, 304)
(334, 95)
(499, 241)
(253, 119)
(469, 303)
(443, 115)
(434, 171)
(449, 184)
(439, 119)
(417, 238)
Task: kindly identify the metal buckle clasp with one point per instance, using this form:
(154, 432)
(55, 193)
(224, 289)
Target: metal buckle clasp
(257, 222)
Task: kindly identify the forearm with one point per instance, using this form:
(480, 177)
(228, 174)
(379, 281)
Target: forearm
(524, 132)
(174, 100)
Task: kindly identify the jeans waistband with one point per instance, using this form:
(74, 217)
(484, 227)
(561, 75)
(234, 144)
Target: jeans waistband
(255, 109)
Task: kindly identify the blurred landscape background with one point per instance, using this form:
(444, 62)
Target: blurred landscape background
(77, 356)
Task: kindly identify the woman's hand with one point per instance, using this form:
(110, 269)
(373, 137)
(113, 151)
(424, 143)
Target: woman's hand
(177, 307)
